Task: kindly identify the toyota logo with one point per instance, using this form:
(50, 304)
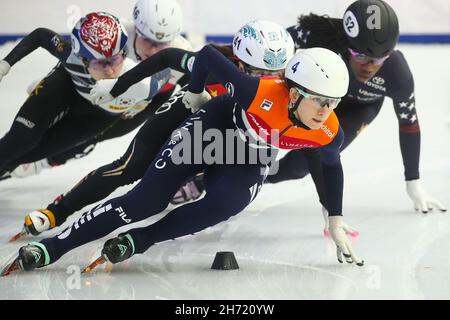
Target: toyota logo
(378, 80)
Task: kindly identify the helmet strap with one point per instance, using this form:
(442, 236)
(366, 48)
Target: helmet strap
(85, 62)
(296, 122)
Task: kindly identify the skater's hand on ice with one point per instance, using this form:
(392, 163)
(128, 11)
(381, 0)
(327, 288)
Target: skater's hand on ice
(349, 230)
(194, 101)
(343, 245)
(100, 93)
(4, 69)
(422, 200)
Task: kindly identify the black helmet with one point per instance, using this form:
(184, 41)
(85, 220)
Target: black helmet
(371, 27)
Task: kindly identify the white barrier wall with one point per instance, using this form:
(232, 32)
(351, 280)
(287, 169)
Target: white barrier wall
(214, 16)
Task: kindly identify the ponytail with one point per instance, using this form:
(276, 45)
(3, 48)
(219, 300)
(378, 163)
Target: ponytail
(325, 32)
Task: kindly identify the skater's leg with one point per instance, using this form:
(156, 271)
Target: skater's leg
(131, 167)
(44, 106)
(229, 190)
(154, 191)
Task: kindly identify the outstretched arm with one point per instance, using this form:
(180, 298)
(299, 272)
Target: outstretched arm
(334, 186)
(409, 129)
(174, 58)
(241, 87)
(333, 175)
(409, 133)
(40, 38)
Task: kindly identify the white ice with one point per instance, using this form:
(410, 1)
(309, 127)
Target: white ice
(278, 239)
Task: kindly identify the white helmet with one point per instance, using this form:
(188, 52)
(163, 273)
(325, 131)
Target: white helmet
(263, 45)
(319, 70)
(158, 20)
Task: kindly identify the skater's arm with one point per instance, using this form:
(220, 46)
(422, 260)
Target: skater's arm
(409, 129)
(209, 60)
(40, 38)
(173, 58)
(315, 169)
(333, 175)
(400, 87)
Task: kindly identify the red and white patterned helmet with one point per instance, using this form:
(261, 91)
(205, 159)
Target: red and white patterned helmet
(98, 35)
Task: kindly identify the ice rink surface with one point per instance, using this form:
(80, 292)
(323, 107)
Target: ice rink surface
(278, 239)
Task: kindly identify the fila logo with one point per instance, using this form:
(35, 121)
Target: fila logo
(123, 215)
(266, 105)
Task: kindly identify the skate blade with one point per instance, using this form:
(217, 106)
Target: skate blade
(21, 234)
(94, 265)
(5, 177)
(10, 267)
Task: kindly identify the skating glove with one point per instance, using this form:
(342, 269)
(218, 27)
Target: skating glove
(422, 200)
(349, 230)
(100, 93)
(343, 245)
(4, 69)
(194, 101)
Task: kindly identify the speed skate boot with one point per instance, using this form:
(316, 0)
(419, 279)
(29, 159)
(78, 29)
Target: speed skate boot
(118, 249)
(39, 221)
(36, 222)
(114, 251)
(30, 257)
(191, 190)
(5, 175)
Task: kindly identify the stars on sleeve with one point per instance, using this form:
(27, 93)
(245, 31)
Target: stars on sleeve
(405, 108)
(408, 113)
(307, 35)
(403, 115)
(412, 117)
(410, 105)
(302, 35)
